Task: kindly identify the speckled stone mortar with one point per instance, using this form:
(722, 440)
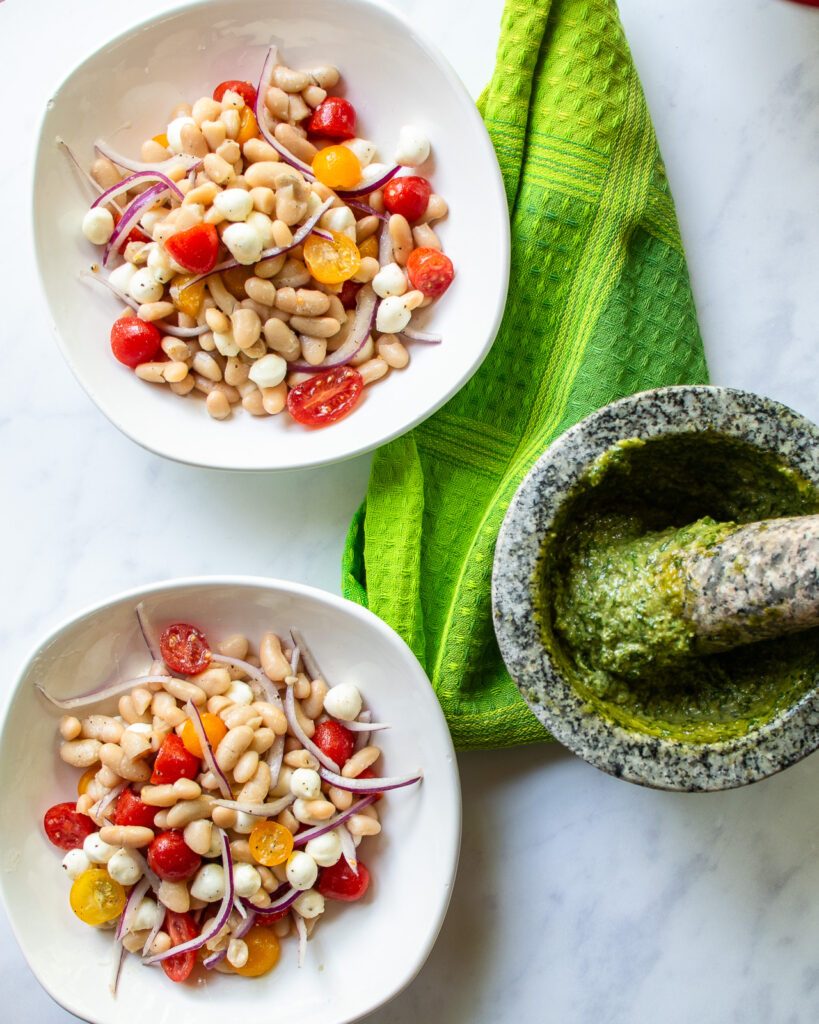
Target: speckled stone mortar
(633, 755)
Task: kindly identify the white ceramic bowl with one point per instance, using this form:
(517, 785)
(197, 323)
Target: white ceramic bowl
(360, 956)
(124, 93)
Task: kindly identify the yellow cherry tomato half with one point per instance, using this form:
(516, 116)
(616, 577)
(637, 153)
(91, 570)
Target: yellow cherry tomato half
(215, 730)
(84, 780)
(331, 262)
(263, 952)
(270, 843)
(248, 126)
(369, 247)
(187, 300)
(96, 898)
(337, 167)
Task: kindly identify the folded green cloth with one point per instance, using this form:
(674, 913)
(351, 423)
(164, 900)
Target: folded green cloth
(599, 307)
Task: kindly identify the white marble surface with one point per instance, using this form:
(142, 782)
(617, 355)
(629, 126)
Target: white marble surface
(580, 898)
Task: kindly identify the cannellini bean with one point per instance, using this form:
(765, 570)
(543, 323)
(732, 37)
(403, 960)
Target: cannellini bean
(294, 274)
(314, 95)
(367, 271)
(256, 789)
(263, 740)
(104, 172)
(85, 803)
(129, 711)
(246, 766)
(103, 728)
(264, 174)
(164, 706)
(272, 716)
(295, 143)
(175, 896)
(233, 745)
(392, 351)
(313, 705)
(230, 119)
(307, 724)
(233, 646)
(184, 387)
(366, 227)
(361, 760)
(253, 403)
(224, 817)
(341, 798)
(306, 302)
(297, 108)
(133, 836)
(214, 680)
(107, 778)
(215, 133)
(247, 327)
(280, 338)
(81, 753)
(151, 152)
(308, 812)
(288, 80)
(277, 102)
(301, 758)
(241, 714)
(324, 75)
(70, 727)
(257, 150)
(184, 691)
(198, 835)
(218, 169)
(315, 326)
(425, 238)
(401, 236)
(373, 370)
(114, 757)
(436, 209)
(186, 811)
(274, 664)
(301, 688)
(135, 742)
(282, 784)
(229, 151)
(362, 825)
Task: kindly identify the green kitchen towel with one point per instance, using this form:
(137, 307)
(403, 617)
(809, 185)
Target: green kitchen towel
(599, 307)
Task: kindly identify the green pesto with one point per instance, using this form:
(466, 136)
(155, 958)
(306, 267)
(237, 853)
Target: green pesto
(612, 587)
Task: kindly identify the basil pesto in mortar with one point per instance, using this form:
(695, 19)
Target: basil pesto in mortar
(639, 505)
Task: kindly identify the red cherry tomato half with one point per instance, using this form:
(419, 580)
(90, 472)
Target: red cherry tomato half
(132, 811)
(184, 649)
(171, 857)
(196, 250)
(335, 741)
(174, 761)
(333, 119)
(340, 882)
(327, 397)
(245, 90)
(349, 294)
(368, 773)
(134, 341)
(181, 928)
(430, 271)
(408, 196)
(66, 827)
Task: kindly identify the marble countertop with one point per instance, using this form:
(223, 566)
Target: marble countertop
(580, 898)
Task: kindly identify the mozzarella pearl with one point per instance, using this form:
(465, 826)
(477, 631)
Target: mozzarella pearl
(413, 146)
(96, 850)
(121, 276)
(144, 287)
(244, 243)
(309, 904)
(363, 149)
(267, 372)
(246, 880)
(302, 870)
(325, 850)
(390, 280)
(209, 883)
(341, 220)
(148, 914)
(98, 225)
(124, 868)
(306, 783)
(343, 701)
(174, 133)
(75, 862)
(234, 203)
(264, 225)
(159, 263)
(239, 692)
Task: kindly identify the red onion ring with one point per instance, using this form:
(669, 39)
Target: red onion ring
(370, 785)
(119, 959)
(207, 750)
(301, 735)
(260, 111)
(301, 929)
(365, 208)
(130, 908)
(307, 656)
(313, 833)
(365, 190)
(95, 185)
(283, 903)
(94, 696)
(267, 810)
(423, 336)
(134, 179)
(147, 632)
(348, 848)
(366, 309)
(139, 165)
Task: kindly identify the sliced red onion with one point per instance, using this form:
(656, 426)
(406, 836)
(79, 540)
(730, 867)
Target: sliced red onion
(295, 658)
(260, 111)
(423, 336)
(370, 785)
(242, 929)
(181, 332)
(284, 902)
(238, 906)
(165, 166)
(365, 208)
(140, 177)
(365, 190)
(147, 631)
(94, 696)
(363, 738)
(301, 931)
(326, 235)
(267, 810)
(95, 185)
(207, 750)
(152, 934)
(119, 959)
(131, 906)
(133, 211)
(327, 826)
(365, 312)
(307, 656)
(97, 812)
(385, 244)
(301, 735)
(348, 847)
(218, 921)
(214, 958)
(362, 725)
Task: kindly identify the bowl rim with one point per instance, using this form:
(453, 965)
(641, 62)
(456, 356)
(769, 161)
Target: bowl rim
(648, 760)
(503, 242)
(268, 582)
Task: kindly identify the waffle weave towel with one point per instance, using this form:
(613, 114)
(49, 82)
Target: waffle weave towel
(599, 307)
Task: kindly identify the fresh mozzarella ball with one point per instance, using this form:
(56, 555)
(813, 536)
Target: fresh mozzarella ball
(246, 880)
(306, 783)
(363, 149)
(237, 953)
(148, 914)
(302, 870)
(234, 203)
(75, 862)
(341, 220)
(96, 850)
(264, 225)
(209, 883)
(239, 692)
(309, 904)
(390, 280)
(174, 133)
(121, 276)
(391, 318)
(267, 372)
(159, 263)
(124, 868)
(225, 344)
(98, 225)
(413, 147)
(244, 243)
(144, 287)
(344, 701)
(325, 850)
(245, 823)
